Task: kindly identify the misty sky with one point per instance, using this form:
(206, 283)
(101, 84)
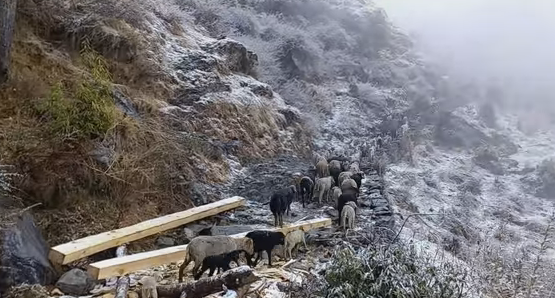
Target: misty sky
(511, 40)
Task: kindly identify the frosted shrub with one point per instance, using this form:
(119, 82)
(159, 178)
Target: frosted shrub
(546, 173)
(396, 272)
(314, 41)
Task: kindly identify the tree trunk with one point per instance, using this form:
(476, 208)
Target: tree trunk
(233, 279)
(123, 286)
(7, 24)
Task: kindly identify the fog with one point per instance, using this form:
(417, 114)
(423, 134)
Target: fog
(510, 42)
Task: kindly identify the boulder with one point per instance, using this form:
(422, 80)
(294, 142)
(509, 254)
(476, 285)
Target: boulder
(164, 242)
(454, 131)
(75, 282)
(23, 254)
(237, 57)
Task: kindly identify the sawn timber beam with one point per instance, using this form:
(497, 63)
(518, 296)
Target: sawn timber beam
(80, 248)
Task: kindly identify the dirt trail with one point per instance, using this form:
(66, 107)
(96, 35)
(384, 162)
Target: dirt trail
(256, 183)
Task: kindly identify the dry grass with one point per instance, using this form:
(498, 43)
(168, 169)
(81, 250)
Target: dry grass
(147, 164)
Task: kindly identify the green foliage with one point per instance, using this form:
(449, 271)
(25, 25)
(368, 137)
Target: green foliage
(87, 110)
(392, 273)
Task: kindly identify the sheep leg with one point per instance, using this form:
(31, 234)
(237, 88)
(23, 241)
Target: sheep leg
(257, 259)
(269, 252)
(212, 269)
(196, 268)
(199, 274)
(182, 268)
(289, 250)
(275, 220)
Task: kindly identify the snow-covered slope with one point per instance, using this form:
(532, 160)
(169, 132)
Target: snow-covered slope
(493, 222)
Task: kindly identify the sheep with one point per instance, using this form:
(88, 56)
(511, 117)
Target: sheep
(335, 169)
(343, 199)
(355, 176)
(322, 188)
(201, 247)
(280, 203)
(354, 167)
(348, 215)
(292, 239)
(220, 261)
(316, 158)
(322, 169)
(306, 188)
(343, 176)
(336, 192)
(349, 186)
(265, 241)
(148, 288)
(338, 158)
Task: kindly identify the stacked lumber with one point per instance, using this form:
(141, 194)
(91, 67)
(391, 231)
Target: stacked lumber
(80, 248)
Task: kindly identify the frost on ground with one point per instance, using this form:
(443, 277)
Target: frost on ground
(494, 222)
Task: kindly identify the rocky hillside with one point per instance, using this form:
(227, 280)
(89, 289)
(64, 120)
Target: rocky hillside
(120, 111)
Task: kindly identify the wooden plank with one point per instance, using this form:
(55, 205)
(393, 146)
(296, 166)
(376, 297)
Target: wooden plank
(131, 263)
(80, 248)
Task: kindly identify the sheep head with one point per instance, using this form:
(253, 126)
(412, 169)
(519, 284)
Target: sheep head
(245, 244)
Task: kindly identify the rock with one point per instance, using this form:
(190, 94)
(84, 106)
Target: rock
(237, 57)
(124, 104)
(23, 254)
(291, 115)
(188, 233)
(262, 90)
(56, 292)
(454, 131)
(231, 229)
(112, 281)
(103, 155)
(102, 290)
(132, 294)
(381, 209)
(75, 282)
(374, 196)
(379, 203)
(108, 295)
(164, 241)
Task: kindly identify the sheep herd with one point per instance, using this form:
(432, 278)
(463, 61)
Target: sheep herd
(335, 177)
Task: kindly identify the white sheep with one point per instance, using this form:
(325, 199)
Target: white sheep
(343, 176)
(148, 288)
(348, 215)
(336, 192)
(291, 240)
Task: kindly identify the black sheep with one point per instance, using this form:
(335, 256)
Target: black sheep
(358, 178)
(343, 199)
(220, 261)
(306, 188)
(280, 203)
(264, 241)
